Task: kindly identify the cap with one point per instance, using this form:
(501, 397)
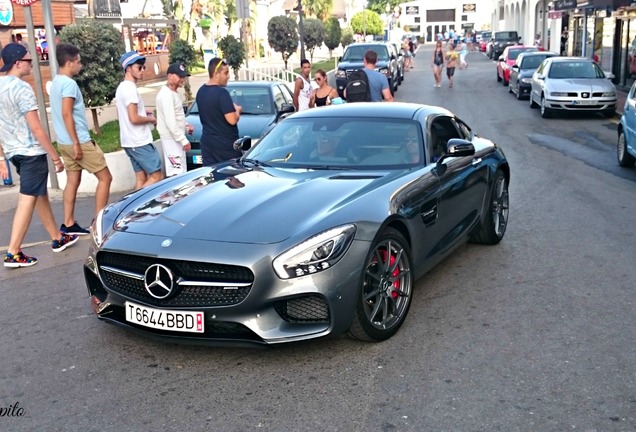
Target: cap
(131, 57)
(11, 54)
(178, 69)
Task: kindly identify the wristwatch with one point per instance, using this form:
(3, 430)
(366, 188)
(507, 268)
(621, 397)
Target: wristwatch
(2, 159)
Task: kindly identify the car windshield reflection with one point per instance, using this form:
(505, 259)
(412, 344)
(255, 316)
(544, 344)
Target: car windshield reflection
(560, 70)
(253, 100)
(342, 143)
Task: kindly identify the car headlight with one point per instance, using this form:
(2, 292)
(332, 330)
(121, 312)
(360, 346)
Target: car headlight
(341, 74)
(385, 71)
(97, 230)
(315, 254)
(526, 80)
(559, 94)
(609, 94)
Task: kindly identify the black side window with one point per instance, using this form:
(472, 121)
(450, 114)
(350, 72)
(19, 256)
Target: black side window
(441, 130)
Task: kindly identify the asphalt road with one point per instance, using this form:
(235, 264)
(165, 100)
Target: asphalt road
(535, 334)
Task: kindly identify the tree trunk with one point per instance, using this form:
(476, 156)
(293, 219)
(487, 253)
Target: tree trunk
(98, 130)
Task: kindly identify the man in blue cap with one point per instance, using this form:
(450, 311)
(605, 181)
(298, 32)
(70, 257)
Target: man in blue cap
(135, 124)
(26, 144)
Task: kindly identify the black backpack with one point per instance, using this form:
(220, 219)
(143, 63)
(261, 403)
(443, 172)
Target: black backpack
(358, 87)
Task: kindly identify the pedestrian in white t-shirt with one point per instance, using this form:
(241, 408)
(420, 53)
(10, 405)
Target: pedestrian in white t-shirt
(135, 124)
(171, 123)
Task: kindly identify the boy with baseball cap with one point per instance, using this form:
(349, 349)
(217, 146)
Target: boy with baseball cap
(135, 124)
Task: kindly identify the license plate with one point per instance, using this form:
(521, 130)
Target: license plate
(584, 102)
(197, 159)
(170, 320)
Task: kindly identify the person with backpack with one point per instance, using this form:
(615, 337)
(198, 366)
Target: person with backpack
(367, 84)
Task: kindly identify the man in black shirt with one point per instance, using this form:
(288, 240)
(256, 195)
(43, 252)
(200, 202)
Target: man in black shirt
(219, 116)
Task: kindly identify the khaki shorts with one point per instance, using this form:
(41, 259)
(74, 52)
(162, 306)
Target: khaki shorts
(93, 159)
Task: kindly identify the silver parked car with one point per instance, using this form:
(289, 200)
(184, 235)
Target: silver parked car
(572, 84)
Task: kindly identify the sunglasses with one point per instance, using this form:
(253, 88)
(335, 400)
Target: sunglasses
(141, 67)
(219, 64)
(26, 60)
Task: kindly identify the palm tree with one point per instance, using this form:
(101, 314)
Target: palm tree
(320, 9)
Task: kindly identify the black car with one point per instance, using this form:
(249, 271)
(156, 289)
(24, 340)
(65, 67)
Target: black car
(322, 228)
(353, 59)
(522, 70)
(500, 41)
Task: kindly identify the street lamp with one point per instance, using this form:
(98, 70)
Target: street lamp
(301, 29)
(364, 19)
(389, 18)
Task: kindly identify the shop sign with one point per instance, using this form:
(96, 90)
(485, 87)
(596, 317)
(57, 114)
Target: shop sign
(561, 5)
(555, 15)
(24, 2)
(469, 7)
(6, 12)
(412, 10)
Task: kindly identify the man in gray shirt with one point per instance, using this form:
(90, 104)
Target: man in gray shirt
(378, 82)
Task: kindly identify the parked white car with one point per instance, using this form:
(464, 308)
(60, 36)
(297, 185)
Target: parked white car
(572, 84)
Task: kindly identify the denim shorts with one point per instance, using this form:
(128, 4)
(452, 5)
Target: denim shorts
(145, 158)
(33, 172)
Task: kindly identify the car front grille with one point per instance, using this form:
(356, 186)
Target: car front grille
(123, 274)
(309, 309)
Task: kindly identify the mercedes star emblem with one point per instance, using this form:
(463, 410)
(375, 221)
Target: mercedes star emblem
(159, 281)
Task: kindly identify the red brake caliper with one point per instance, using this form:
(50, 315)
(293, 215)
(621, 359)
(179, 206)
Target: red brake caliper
(395, 274)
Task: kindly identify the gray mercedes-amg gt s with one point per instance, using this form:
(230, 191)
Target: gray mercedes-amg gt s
(321, 228)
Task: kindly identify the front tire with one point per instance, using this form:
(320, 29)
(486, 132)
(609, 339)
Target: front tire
(545, 111)
(624, 158)
(387, 289)
(494, 226)
(533, 104)
(498, 77)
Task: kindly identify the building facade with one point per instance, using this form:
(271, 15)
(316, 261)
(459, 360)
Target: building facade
(428, 18)
(604, 30)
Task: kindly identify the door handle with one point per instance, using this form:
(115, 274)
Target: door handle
(476, 161)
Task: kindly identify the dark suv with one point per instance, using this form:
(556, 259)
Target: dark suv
(500, 41)
(353, 59)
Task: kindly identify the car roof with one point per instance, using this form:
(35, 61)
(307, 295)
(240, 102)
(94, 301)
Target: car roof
(538, 53)
(396, 110)
(571, 59)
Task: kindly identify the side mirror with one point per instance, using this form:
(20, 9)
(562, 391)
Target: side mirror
(243, 144)
(286, 108)
(515, 66)
(457, 147)
(501, 59)
(339, 59)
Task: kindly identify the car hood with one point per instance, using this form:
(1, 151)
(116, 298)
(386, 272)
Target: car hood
(581, 84)
(229, 203)
(253, 125)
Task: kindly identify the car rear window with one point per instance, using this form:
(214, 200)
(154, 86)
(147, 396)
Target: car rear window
(532, 62)
(506, 36)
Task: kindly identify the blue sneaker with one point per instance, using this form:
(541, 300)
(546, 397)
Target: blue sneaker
(64, 242)
(74, 229)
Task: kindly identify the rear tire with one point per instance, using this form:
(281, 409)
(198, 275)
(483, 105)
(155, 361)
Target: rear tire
(386, 292)
(624, 158)
(494, 227)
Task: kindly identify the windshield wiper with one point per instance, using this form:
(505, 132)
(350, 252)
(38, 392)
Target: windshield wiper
(249, 113)
(253, 162)
(330, 167)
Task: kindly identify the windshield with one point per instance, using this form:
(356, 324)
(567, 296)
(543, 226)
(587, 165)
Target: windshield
(355, 53)
(575, 70)
(532, 62)
(254, 100)
(514, 53)
(341, 143)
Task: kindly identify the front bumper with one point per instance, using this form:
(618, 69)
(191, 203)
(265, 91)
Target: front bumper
(268, 310)
(578, 104)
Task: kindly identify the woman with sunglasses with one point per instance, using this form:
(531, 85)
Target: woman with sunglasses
(438, 63)
(323, 95)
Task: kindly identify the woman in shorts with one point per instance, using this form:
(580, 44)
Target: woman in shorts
(438, 63)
